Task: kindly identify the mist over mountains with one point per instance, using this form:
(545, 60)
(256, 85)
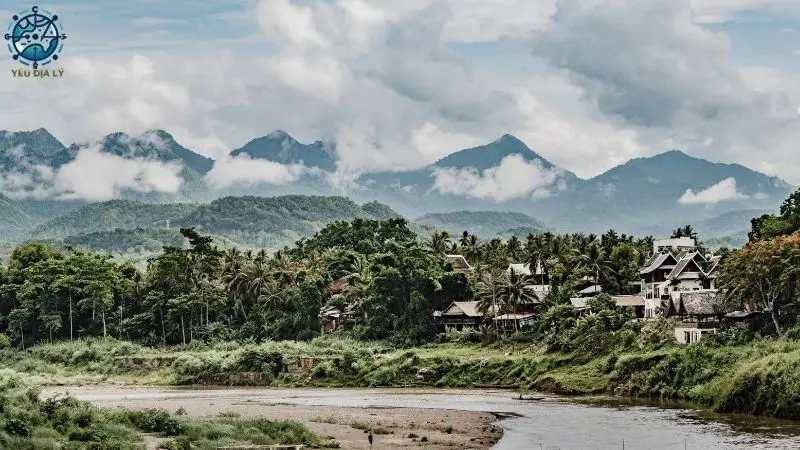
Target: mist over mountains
(42, 179)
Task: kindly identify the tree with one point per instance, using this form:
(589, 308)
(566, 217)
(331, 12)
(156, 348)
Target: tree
(595, 262)
(515, 289)
(439, 242)
(764, 275)
(488, 294)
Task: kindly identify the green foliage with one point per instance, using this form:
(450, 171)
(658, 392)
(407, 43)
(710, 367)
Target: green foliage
(26, 421)
(112, 215)
(486, 223)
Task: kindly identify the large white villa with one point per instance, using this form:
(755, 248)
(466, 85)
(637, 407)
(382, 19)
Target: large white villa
(676, 267)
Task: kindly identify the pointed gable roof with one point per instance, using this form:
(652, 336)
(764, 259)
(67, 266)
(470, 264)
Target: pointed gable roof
(658, 261)
(459, 262)
(713, 264)
(469, 309)
(689, 260)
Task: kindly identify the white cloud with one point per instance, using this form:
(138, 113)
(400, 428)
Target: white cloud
(648, 67)
(94, 175)
(244, 170)
(722, 191)
(608, 83)
(515, 177)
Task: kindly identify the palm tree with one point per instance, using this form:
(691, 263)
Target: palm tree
(595, 261)
(535, 253)
(464, 240)
(234, 276)
(514, 247)
(472, 248)
(516, 288)
(359, 280)
(439, 241)
(488, 289)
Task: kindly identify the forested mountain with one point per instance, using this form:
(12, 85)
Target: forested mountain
(154, 145)
(665, 189)
(111, 215)
(641, 196)
(483, 223)
(119, 226)
(279, 147)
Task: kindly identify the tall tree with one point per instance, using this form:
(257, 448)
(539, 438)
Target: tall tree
(765, 275)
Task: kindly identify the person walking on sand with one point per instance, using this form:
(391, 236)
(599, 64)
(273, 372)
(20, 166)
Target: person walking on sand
(369, 438)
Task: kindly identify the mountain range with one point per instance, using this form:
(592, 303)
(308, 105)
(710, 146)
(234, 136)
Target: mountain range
(642, 196)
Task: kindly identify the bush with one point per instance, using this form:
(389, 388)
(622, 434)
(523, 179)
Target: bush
(154, 421)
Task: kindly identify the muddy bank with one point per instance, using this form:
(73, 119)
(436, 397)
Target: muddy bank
(392, 427)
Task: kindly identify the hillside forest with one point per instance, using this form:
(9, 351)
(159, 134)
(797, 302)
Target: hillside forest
(377, 269)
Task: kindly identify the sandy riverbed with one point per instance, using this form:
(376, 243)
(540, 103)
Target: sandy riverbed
(406, 427)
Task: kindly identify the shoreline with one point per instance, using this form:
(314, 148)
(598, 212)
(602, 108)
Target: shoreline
(392, 427)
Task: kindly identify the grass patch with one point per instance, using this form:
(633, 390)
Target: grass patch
(755, 377)
(29, 422)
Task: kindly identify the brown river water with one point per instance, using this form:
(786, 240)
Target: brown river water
(549, 423)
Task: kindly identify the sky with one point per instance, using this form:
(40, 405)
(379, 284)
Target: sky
(587, 84)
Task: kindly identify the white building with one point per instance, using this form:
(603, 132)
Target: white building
(674, 244)
(666, 275)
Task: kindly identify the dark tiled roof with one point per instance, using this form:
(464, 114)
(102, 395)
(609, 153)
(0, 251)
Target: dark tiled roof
(688, 258)
(657, 262)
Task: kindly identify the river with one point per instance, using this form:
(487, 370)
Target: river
(551, 423)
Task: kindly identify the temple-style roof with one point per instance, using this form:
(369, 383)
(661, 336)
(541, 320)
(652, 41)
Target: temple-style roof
(657, 262)
(713, 264)
(707, 302)
(689, 259)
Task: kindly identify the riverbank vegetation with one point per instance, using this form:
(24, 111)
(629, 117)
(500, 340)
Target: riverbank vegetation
(200, 315)
(29, 422)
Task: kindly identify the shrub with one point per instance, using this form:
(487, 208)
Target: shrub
(154, 421)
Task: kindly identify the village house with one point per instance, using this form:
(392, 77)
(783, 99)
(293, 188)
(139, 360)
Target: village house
(636, 302)
(698, 313)
(459, 262)
(540, 281)
(459, 315)
(675, 268)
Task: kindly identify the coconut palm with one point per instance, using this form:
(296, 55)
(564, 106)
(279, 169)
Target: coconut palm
(515, 289)
(596, 262)
(439, 242)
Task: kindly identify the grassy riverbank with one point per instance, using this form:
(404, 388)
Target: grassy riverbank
(28, 422)
(758, 377)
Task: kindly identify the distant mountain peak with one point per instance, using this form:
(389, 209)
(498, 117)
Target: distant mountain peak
(280, 147)
(510, 139)
(37, 146)
(278, 135)
(492, 154)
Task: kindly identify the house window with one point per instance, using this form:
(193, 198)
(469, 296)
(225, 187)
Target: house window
(687, 337)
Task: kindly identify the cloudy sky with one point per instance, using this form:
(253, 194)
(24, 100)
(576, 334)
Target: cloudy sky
(586, 83)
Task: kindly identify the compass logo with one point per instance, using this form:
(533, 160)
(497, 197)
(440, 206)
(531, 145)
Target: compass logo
(35, 39)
